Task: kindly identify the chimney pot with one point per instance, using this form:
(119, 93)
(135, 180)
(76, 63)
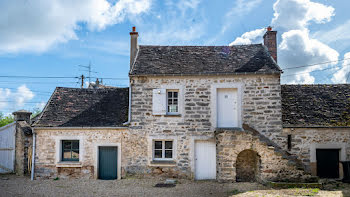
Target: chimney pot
(269, 28)
(22, 115)
(134, 29)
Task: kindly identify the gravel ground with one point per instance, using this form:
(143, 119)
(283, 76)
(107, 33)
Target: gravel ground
(11, 185)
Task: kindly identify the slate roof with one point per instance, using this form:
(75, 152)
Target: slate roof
(316, 105)
(203, 60)
(77, 107)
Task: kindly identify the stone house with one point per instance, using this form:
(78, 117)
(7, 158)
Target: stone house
(198, 112)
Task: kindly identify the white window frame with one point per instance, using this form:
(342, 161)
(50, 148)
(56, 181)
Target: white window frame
(163, 150)
(178, 102)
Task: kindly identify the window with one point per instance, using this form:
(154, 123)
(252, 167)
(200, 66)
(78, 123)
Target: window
(289, 142)
(70, 150)
(163, 150)
(172, 102)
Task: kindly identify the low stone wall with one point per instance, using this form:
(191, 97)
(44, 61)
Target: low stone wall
(273, 165)
(305, 141)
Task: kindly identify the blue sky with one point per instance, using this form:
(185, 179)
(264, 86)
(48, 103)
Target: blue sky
(51, 38)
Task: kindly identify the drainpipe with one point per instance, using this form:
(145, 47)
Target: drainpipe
(33, 155)
(129, 110)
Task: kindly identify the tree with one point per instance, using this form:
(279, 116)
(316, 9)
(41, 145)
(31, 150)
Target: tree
(4, 120)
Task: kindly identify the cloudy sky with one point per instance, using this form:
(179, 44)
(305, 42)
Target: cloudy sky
(41, 39)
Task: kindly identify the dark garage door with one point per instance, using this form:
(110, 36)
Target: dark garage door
(107, 157)
(327, 163)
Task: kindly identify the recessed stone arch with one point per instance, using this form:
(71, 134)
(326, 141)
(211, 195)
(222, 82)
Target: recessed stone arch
(248, 166)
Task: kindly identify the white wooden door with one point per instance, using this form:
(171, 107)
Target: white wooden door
(205, 160)
(227, 107)
(7, 148)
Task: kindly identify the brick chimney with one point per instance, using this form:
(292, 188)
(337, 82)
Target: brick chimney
(133, 45)
(270, 42)
(22, 115)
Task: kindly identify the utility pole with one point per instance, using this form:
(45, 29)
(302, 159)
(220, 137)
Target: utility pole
(82, 81)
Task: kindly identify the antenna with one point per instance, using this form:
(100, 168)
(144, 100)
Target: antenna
(88, 70)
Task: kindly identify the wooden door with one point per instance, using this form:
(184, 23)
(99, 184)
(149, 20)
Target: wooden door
(205, 160)
(327, 163)
(108, 160)
(227, 108)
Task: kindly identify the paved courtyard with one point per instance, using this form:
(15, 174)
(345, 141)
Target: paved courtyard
(11, 185)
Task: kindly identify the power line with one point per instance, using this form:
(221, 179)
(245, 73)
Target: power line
(315, 70)
(309, 65)
(38, 77)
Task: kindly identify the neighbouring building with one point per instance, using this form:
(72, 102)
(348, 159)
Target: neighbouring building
(198, 112)
(16, 144)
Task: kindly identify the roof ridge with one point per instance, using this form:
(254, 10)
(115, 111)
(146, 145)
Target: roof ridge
(200, 45)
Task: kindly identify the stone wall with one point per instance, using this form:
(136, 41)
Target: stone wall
(273, 163)
(261, 109)
(24, 142)
(47, 157)
(306, 140)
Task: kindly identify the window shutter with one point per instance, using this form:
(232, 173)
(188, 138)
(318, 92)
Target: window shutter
(159, 101)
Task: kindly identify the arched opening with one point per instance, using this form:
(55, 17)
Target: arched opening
(247, 166)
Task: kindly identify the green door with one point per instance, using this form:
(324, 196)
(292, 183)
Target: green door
(107, 158)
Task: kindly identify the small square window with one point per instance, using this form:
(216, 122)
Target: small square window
(163, 149)
(70, 150)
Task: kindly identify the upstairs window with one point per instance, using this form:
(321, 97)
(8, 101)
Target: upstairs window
(172, 102)
(166, 102)
(163, 150)
(70, 150)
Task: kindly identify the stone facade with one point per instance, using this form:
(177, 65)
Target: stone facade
(260, 108)
(266, 161)
(48, 144)
(305, 141)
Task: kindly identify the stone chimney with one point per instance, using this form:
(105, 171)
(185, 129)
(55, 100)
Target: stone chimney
(270, 42)
(22, 115)
(133, 45)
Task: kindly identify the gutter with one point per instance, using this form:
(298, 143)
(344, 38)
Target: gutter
(33, 154)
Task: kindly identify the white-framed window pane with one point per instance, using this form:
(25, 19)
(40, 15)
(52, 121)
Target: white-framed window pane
(169, 154)
(158, 154)
(158, 144)
(168, 144)
(172, 101)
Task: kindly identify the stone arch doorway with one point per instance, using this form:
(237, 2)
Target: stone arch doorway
(247, 166)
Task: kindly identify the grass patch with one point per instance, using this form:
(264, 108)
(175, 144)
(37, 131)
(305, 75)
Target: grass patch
(306, 192)
(234, 192)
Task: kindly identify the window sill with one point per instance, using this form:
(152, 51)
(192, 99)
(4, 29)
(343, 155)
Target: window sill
(172, 115)
(163, 162)
(69, 164)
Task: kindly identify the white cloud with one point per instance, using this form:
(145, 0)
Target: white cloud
(19, 97)
(249, 37)
(340, 33)
(4, 96)
(22, 95)
(38, 24)
(296, 14)
(291, 19)
(40, 105)
(183, 23)
(342, 75)
(241, 8)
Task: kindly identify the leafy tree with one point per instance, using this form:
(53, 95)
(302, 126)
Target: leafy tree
(4, 120)
(35, 112)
